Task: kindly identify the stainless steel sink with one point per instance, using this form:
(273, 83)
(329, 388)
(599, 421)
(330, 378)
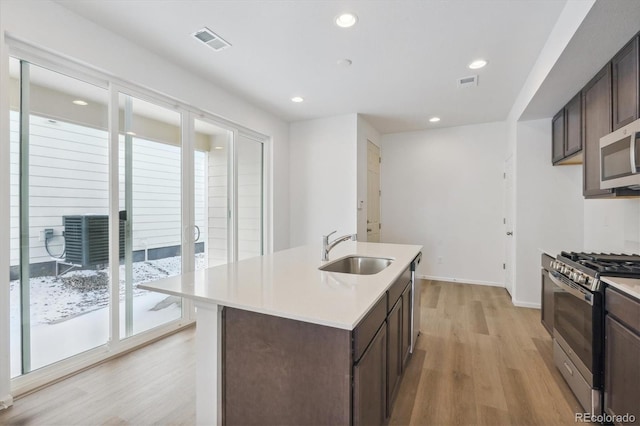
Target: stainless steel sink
(359, 265)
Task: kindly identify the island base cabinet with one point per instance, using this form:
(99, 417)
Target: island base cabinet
(370, 383)
(281, 371)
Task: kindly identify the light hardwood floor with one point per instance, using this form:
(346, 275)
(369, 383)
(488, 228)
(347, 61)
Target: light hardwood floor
(479, 361)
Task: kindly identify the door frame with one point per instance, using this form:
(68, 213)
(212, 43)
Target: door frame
(509, 226)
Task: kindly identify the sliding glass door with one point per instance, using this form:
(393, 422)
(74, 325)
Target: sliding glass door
(229, 194)
(150, 211)
(110, 188)
(59, 217)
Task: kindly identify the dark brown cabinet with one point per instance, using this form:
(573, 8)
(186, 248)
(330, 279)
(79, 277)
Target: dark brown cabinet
(557, 137)
(398, 333)
(405, 347)
(370, 383)
(626, 85)
(546, 316)
(622, 356)
(596, 119)
(573, 124)
(394, 361)
(566, 136)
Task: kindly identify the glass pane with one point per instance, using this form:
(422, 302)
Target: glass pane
(150, 204)
(250, 197)
(211, 193)
(63, 191)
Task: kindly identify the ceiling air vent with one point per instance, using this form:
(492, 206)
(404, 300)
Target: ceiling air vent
(211, 39)
(470, 81)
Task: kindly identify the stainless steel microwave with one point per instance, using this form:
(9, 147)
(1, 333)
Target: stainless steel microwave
(620, 158)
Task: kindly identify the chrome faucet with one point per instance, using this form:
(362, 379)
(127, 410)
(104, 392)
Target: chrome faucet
(327, 246)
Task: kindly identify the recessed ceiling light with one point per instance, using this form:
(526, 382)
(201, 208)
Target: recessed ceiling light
(477, 64)
(80, 102)
(434, 119)
(218, 147)
(346, 20)
(297, 99)
(130, 133)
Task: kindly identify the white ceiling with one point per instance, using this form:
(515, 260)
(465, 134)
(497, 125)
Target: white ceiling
(407, 55)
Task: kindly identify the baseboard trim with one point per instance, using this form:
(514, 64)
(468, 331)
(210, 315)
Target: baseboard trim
(526, 304)
(461, 281)
(6, 402)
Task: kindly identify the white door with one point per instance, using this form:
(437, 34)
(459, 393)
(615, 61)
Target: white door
(373, 192)
(509, 242)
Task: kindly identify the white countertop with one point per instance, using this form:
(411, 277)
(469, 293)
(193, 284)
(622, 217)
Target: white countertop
(289, 284)
(630, 286)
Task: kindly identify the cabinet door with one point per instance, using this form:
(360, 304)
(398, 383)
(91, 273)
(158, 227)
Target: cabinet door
(370, 383)
(596, 120)
(406, 325)
(624, 68)
(622, 370)
(557, 137)
(573, 124)
(547, 302)
(394, 360)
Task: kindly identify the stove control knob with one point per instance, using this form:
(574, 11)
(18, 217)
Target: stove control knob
(582, 279)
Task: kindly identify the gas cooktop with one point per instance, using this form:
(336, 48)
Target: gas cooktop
(602, 264)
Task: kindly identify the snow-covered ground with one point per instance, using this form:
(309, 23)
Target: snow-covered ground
(70, 313)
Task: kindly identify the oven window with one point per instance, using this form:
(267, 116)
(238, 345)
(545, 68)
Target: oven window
(573, 320)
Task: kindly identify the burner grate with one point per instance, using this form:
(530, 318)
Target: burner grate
(621, 265)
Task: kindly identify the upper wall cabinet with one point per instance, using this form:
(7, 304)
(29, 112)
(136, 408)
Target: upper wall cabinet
(624, 68)
(596, 118)
(608, 102)
(567, 133)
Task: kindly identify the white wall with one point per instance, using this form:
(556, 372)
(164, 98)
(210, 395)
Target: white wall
(443, 189)
(612, 226)
(549, 208)
(366, 132)
(323, 179)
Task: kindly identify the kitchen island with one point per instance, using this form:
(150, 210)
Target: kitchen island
(279, 340)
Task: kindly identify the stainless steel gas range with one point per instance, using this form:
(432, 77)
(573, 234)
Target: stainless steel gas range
(579, 319)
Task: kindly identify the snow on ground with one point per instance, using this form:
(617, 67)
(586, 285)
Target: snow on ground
(70, 313)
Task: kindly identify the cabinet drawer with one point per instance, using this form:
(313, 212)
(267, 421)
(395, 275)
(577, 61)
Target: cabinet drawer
(624, 308)
(367, 328)
(396, 289)
(580, 387)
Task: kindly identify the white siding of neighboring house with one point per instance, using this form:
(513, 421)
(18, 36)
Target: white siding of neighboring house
(250, 154)
(69, 175)
(217, 205)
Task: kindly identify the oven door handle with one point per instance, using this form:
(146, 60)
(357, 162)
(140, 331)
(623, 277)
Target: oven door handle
(580, 294)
